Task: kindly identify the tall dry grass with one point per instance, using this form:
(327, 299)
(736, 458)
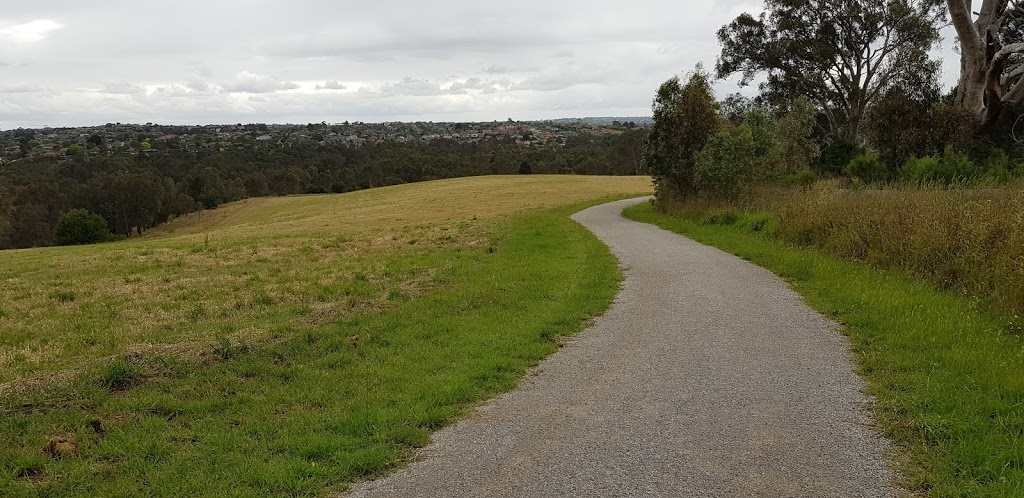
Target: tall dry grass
(971, 240)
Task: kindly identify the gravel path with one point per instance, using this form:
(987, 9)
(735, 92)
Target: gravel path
(708, 377)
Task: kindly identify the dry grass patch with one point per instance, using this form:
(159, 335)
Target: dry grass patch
(258, 264)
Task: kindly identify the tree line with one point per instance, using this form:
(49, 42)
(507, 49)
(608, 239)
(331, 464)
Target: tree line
(134, 194)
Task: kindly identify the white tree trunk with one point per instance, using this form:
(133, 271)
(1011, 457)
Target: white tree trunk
(984, 89)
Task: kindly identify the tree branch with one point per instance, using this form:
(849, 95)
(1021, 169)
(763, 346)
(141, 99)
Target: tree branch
(960, 13)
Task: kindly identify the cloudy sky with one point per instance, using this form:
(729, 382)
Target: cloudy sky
(65, 63)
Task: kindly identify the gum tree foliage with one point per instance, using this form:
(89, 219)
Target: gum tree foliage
(991, 57)
(842, 54)
(685, 117)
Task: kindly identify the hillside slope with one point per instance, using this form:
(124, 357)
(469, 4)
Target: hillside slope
(287, 345)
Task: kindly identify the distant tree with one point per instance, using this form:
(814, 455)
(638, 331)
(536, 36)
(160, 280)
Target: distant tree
(95, 140)
(76, 151)
(78, 227)
(525, 168)
(842, 54)
(685, 117)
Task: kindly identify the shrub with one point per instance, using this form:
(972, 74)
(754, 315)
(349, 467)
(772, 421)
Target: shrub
(997, 168)
(919, 169)
(804, 178)
(78, 226)
(837, 156)
(867, 168)
(949, 168)
(725, 168)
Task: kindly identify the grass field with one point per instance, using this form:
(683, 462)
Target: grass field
(948, 376)
(287, 346)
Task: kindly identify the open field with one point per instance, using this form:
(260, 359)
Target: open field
(285, 346)
(946, 373)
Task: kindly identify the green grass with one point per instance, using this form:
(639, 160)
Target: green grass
(948, 376)
(292, 361)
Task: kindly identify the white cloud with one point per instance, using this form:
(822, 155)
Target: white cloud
(331, 85)
(30, 32)
(411, 87)
(246, 82)
(22, 88)
(122, 87)
(197, 85)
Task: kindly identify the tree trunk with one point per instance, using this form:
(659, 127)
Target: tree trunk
(983, 90)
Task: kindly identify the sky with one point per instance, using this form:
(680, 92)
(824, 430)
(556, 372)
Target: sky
(73, 63)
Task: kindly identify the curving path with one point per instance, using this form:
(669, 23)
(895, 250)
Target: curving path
(708, 377)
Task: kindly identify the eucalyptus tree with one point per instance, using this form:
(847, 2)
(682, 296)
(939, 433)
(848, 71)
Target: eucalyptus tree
(991, 57)
(685, 118)
(842, 54)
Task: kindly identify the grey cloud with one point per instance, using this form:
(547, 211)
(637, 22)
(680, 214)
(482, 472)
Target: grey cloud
(197, 85)
(246, 82)
(22, 88)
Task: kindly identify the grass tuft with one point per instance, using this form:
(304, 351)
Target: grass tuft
(119, 375)
(63, 296)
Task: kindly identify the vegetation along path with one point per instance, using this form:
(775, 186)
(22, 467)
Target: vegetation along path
(707, 377)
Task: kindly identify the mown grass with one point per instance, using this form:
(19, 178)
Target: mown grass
(947, 375)
(278, 397)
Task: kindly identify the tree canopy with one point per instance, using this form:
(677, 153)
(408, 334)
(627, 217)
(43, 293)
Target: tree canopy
(842, 54)
(685, 117)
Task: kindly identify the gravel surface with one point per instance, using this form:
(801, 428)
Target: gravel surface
(708, 377)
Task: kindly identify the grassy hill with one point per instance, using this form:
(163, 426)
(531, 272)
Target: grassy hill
(286, 346)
